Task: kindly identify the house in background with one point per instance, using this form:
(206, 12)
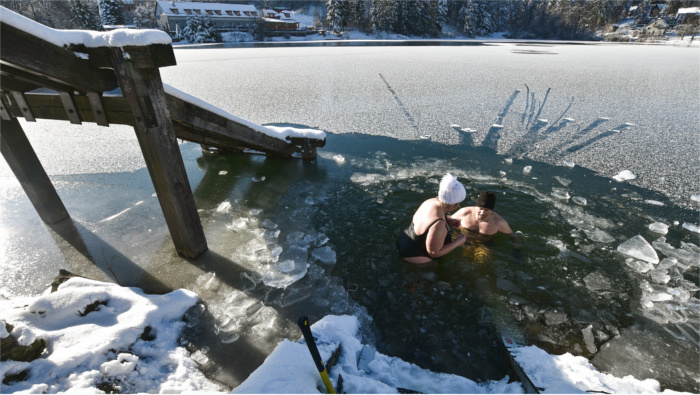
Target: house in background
(172, 15)
(658, 27)
(688, 15)
(282, 20)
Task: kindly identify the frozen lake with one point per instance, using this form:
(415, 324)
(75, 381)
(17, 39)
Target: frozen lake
(398, 118)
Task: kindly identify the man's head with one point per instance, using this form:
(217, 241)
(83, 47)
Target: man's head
(486, 202)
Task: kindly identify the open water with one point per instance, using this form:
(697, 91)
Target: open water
(290, 238)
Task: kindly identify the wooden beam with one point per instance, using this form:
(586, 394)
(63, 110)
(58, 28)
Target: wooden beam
(42, 61)
(114, 109)
(23, 106)
(192, 121)
(22, 159)
(143, 89)
(98, 110)
(69, 107)
(4, 111)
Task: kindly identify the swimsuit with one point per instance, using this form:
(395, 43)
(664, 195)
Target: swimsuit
(411, 245)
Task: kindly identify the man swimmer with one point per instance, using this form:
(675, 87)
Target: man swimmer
(482, 223)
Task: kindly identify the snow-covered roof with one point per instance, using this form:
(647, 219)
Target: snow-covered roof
(214, 10)
(285, 15)
(89, 38)
(689, 10)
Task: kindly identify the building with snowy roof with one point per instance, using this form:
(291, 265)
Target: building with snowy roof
(279, 20)
(172, 15)
(688, 15)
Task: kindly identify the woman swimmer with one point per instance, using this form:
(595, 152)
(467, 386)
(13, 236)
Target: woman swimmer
(428, 237)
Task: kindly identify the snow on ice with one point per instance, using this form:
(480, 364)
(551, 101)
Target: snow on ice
(624, 175)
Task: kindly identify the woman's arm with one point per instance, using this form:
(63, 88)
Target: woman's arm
(435, 242)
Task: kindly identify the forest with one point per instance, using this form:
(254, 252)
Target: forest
(520, 19)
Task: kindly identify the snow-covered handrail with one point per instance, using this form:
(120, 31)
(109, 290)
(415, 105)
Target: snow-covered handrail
(90, 39)
(282, 133)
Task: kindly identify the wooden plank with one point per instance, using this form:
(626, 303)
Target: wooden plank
(23, 106)
(23, 162)
(42, 61)
(49, 106)
(98, 110)
(222, 132)
(68, 105)
(4, 112)
(161, 153)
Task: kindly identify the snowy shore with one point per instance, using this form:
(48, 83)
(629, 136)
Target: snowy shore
(103, 337)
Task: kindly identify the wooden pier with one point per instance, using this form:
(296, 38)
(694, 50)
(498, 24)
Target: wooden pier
(42, 80)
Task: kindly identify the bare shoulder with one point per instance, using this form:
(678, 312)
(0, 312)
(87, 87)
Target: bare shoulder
(502, 224)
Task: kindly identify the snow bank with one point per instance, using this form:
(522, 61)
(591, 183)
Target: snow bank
(569, 374)
(89, 38)
(290, 368)
(106, 344)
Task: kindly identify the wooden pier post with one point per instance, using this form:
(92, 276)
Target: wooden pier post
(143, 89)
(22, 159)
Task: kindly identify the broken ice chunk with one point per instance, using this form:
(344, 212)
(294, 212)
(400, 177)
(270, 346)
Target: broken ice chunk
(255, 211)
(229, 338)
(599, 235)
(295, 236)
(695, 198)
(560, 193)
(224, 207)
(563, 181)
(339, 159)
(660, 276)
(581, 201)
(425, 137)
(527, 169)
(596, 282)
(223, 172)
(638, 247)
(509, 161)
(292, 266)
(497, 126)
(691, 227)
(324, 254)
(320, 240)
(654, 202)
(569, 164)
(589, 339)
(237, 224)
(624, 176)
(639, 266)
(269, 224)
(658, 227)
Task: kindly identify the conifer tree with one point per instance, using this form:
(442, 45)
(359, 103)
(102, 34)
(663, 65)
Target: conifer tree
(200, 29)
(84, 16)
(334, 16)
(383, 16)
(111, 12)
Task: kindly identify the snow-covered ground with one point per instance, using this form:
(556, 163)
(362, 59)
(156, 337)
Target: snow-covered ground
(101, 337)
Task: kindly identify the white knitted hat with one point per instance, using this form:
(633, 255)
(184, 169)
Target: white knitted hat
(451, 191)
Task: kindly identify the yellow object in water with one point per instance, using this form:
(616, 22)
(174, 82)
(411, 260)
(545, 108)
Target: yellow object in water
(478, 253)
